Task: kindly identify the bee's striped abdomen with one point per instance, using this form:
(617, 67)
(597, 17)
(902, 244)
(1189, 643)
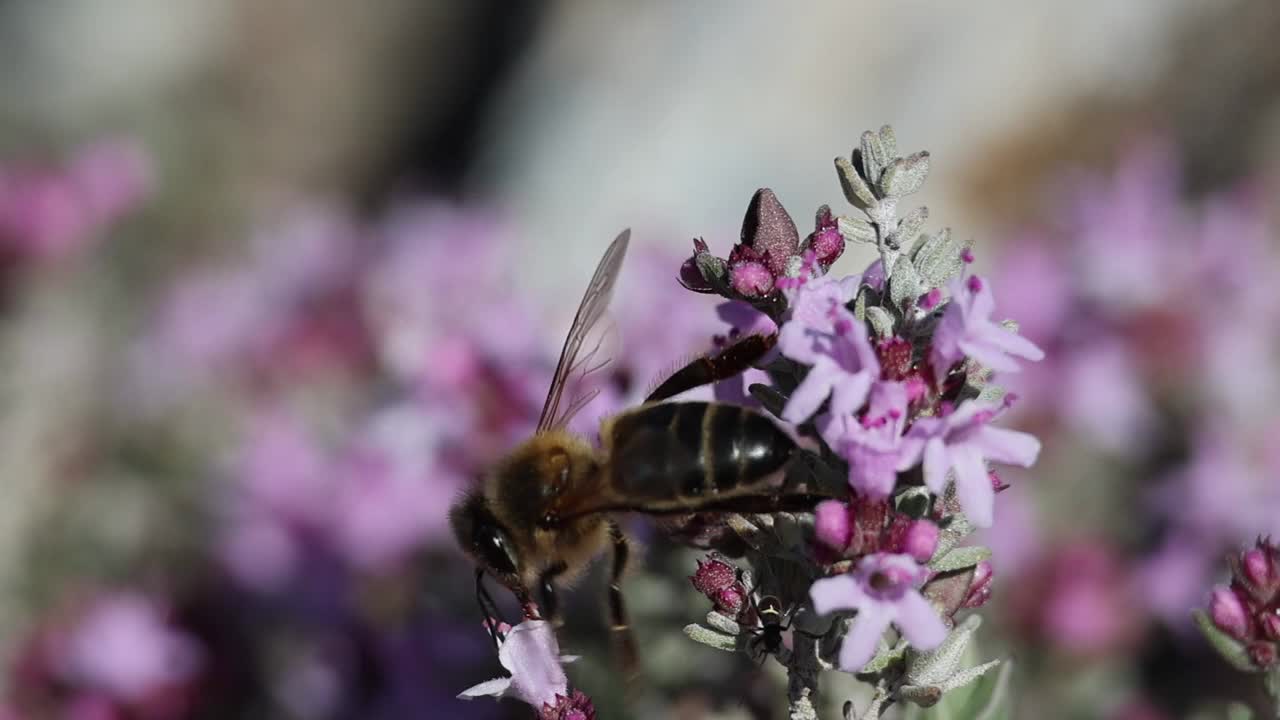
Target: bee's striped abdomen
(688, 452)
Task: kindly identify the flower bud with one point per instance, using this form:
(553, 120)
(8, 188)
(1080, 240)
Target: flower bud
(1270, 622)
(921, 540)
(1228, 612)
(713, 575)
(751, 279)
(980, 588)
(1257, 567)
(1263, 654)
(731, 600)
(831, 524)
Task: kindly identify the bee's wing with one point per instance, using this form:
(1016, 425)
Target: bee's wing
(575, 363)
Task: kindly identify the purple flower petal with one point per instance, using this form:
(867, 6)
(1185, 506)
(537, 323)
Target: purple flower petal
(530, 653)
(848, 393)
(496, 687)
(973, 485)
(919, 622)
(936, 464)
(1007, 446)
(864, 636)
(808, 396)
(841, 592)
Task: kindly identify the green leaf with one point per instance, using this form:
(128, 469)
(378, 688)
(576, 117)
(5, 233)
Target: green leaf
(856, 189)
(909, 228)
(904, 284)
(959, 558)
(1231, 650)
(861, 302)
(991, 698)
(1239, 711)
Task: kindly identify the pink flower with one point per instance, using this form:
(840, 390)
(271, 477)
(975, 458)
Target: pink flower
(966, 329)
(531, 654)
(883, 589)
(873, 445)
(125, 648)
(964, 441)
(822, 333)
(576, 706)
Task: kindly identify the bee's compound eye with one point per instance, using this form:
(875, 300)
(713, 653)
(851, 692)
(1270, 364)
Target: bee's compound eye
(493, 546)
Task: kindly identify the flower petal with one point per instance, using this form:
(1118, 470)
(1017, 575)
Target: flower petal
(1007, 446)
(973, 485)
(919, 622)
(841, 592)
(808, 397)
(530, 653)
(495, 687)
(864, 635)
(1013, 343)
(936, 464)
(850, 392)
(987, 353)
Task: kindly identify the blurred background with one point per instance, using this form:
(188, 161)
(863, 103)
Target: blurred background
(277, 280)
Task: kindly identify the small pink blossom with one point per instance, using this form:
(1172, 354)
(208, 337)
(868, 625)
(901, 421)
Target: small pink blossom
(822, 333)
(964, 442)
(967, 330)
(873, 445)
(883, 589)
(531, 654)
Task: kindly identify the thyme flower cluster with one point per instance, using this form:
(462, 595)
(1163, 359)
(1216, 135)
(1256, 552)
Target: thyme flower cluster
(886, 379)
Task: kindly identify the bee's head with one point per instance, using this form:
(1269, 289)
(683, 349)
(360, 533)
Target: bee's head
(480, 535)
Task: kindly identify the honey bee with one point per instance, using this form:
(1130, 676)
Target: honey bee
(548, 508)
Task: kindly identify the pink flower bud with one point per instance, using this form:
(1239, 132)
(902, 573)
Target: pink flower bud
(713, 575)
(930, 300)
(827, 246)
(895, 357)
(731, 600)
(1257, 567)
(921, 540)
(831, 524)
(751, 279)
(980, 589)
(1228, 612)
(1270, 622)
(1263, 654)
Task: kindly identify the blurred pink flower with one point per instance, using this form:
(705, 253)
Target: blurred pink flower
(49, 214)
(531, 654)
(124, 647)
(1100, 395)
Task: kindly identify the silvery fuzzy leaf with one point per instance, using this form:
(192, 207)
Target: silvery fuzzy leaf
(856, 229)
(714, 270)
(723, 623)
(711, 638)
(888, 141)
(922, 695)
(964, 677)
(937, 666)
(959, 558)
(873, 157)
(1231, 650)
(909, 228)
(885, 656)
(904, 284)
(937, 258)
(856, 189)
(991, 699)
(881, 321)
(992, 394)
(904, 176)
(860, 303)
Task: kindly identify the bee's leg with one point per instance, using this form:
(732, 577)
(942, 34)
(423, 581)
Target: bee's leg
(624, 642)
(707, 369)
